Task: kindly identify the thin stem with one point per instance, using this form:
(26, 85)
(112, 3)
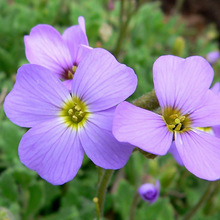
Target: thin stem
(124, 22)
(3, 94)
(205, 196)
(133, 207)
(96, 201)
(102, 189)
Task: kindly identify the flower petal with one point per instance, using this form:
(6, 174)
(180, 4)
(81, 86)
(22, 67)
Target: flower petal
(173, 150)
(141, 128)
(53, 151)
(101, 146)
(102, 82)
(216, 88)
(37, 96)
(181, 83)
(103, 119)
(200, 153)
(75, 36)
(207, 113)
(46, 47)
(216, 130)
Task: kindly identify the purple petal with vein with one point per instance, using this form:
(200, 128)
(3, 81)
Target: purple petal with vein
(37, 96)
(141, 128)
(207, 112)
(100, 145)
(200, 152)
(175, 154)
(46, 47)
(216, 88)
(102, 82)
(181, 83)
(216, 130)
(75, 36)
(52, 150)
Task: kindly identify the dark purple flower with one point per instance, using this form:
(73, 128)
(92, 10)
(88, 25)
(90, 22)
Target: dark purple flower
(182, 89)
(59, 53)
(65, 125)
(149, 192)
(213, 57)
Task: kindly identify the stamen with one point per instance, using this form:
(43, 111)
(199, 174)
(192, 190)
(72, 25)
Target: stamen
(175, 121)
(69, 74)
(77, 108)
(174, 116)
(70, 111)
(74, 113)
(74, 68)
(74, 118)
(178, 127)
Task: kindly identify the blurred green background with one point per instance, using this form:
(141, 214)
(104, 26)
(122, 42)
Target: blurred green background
(137, 35)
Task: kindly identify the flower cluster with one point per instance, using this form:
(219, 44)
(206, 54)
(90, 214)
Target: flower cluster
(187, 105)
(66, 122)
(68, 97)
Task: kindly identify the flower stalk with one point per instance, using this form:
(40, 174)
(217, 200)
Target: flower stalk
(102, 188)
(211, 187)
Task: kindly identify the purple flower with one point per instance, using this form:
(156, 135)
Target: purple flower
(213, 57)
(182, 89)
(149, 192)
(65, 125)
(60, 54)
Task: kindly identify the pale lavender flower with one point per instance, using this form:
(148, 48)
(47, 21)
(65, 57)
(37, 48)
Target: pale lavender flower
(213, 57)
(65, 125)
(149, 192)
(59, 53)
(182, 89)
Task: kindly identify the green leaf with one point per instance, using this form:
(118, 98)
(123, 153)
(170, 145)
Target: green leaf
(36, 198)
(161, 209)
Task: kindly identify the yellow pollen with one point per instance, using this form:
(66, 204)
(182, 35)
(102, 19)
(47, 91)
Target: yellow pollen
(70, 111)
(174, 116)
(75, 119)
(77, 108)
(175, 121)
(69, 74)
(74, 68)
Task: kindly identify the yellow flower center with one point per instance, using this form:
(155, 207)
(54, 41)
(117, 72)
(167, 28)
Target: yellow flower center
(71, 72)
(75, 113)
(175, 121)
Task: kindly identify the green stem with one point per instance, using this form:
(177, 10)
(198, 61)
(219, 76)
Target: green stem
(96, 201)
(102, 189)
(123, 26)
(133, 207)
(205, 196)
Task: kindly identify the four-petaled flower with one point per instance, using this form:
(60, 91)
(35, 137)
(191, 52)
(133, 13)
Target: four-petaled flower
(149, 192)
(65, 124)
(61, 54)
(182, 89)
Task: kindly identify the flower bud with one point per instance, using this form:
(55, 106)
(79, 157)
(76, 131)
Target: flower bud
(213, 57)
(149, 192)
